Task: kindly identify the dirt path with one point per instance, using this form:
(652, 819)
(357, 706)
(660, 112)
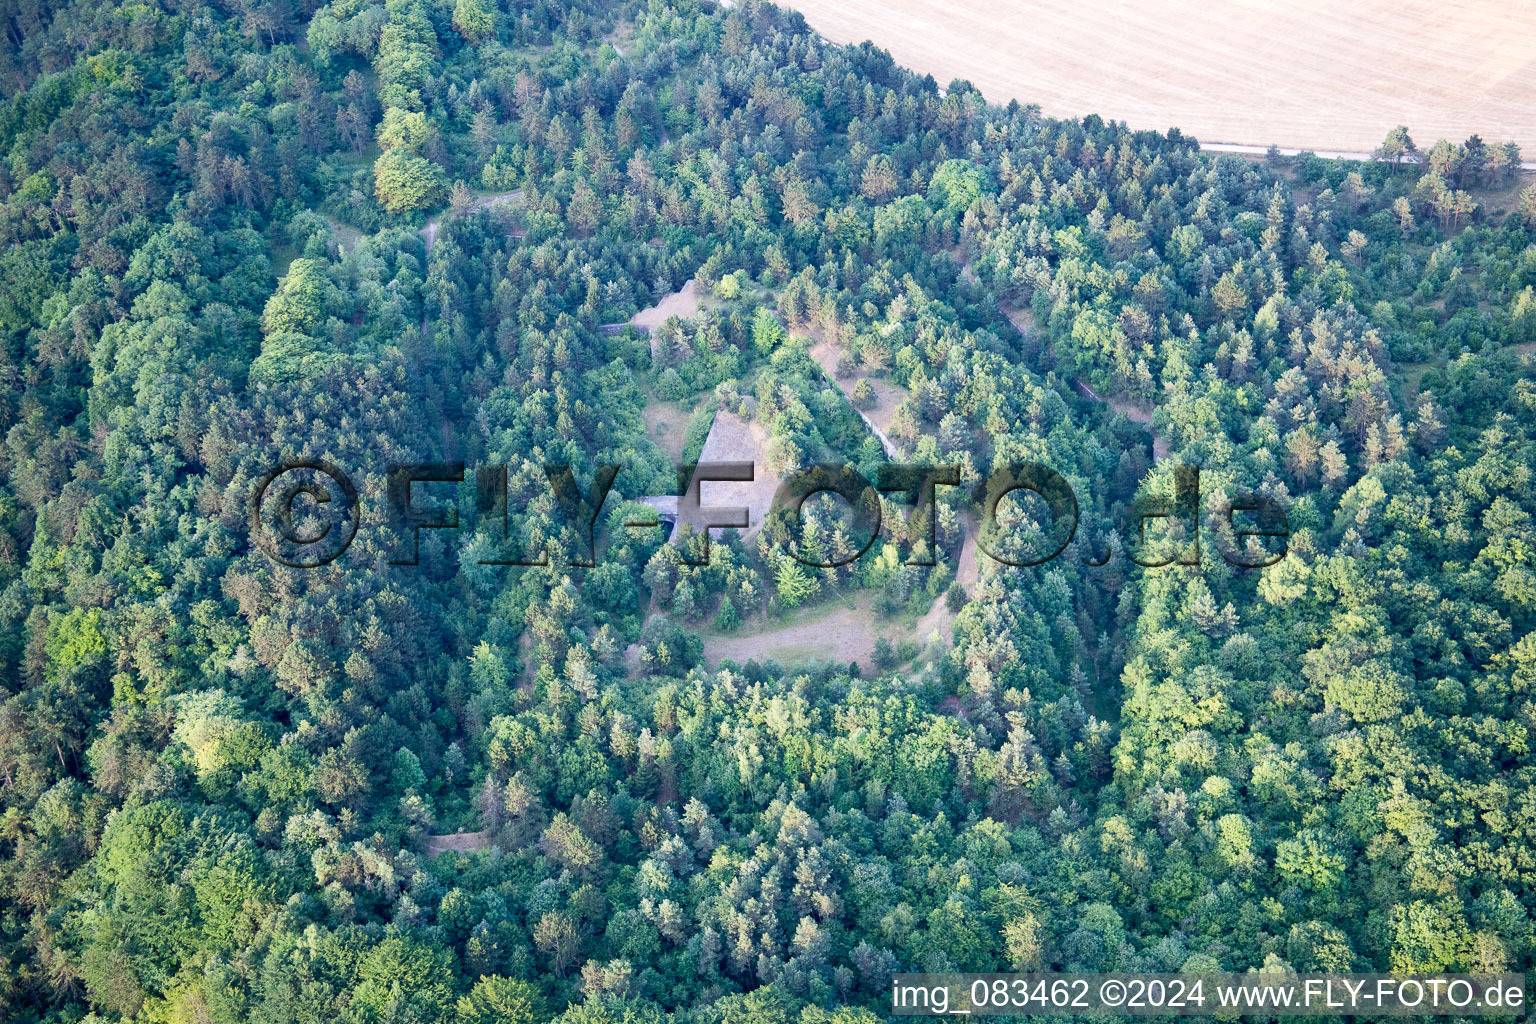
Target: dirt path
(968, 573)
(885, 442)
(939, 618)
(1326, 154)
(1134, 413)
(887, 395)
(430, 229)
(1022, 320)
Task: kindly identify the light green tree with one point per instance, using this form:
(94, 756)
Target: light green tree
(498, 1000)
(404, 182)
(794, 584)
(471, 20)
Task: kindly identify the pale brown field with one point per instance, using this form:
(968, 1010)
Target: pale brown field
(1304, 73)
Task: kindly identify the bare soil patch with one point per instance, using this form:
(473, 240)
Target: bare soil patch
(824, 633)
(834, 631)
(1303, 73)
(732, 439)
(829, 631)
(683, 304)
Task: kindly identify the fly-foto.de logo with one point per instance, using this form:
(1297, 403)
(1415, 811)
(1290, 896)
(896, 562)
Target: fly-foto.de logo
(305, 513)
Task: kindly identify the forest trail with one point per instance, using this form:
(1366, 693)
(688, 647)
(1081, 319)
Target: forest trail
(845, 629)
(430, 229)
(1132, 412)
(1023, 321)
(968, 573)
(939, 619)
(887, 395)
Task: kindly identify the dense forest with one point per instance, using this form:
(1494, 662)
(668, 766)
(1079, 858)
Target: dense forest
(405, 231)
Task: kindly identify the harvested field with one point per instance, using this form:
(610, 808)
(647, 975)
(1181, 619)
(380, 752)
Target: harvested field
(1302, 73)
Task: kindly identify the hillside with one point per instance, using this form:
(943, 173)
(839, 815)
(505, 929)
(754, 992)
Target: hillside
(348, 357)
